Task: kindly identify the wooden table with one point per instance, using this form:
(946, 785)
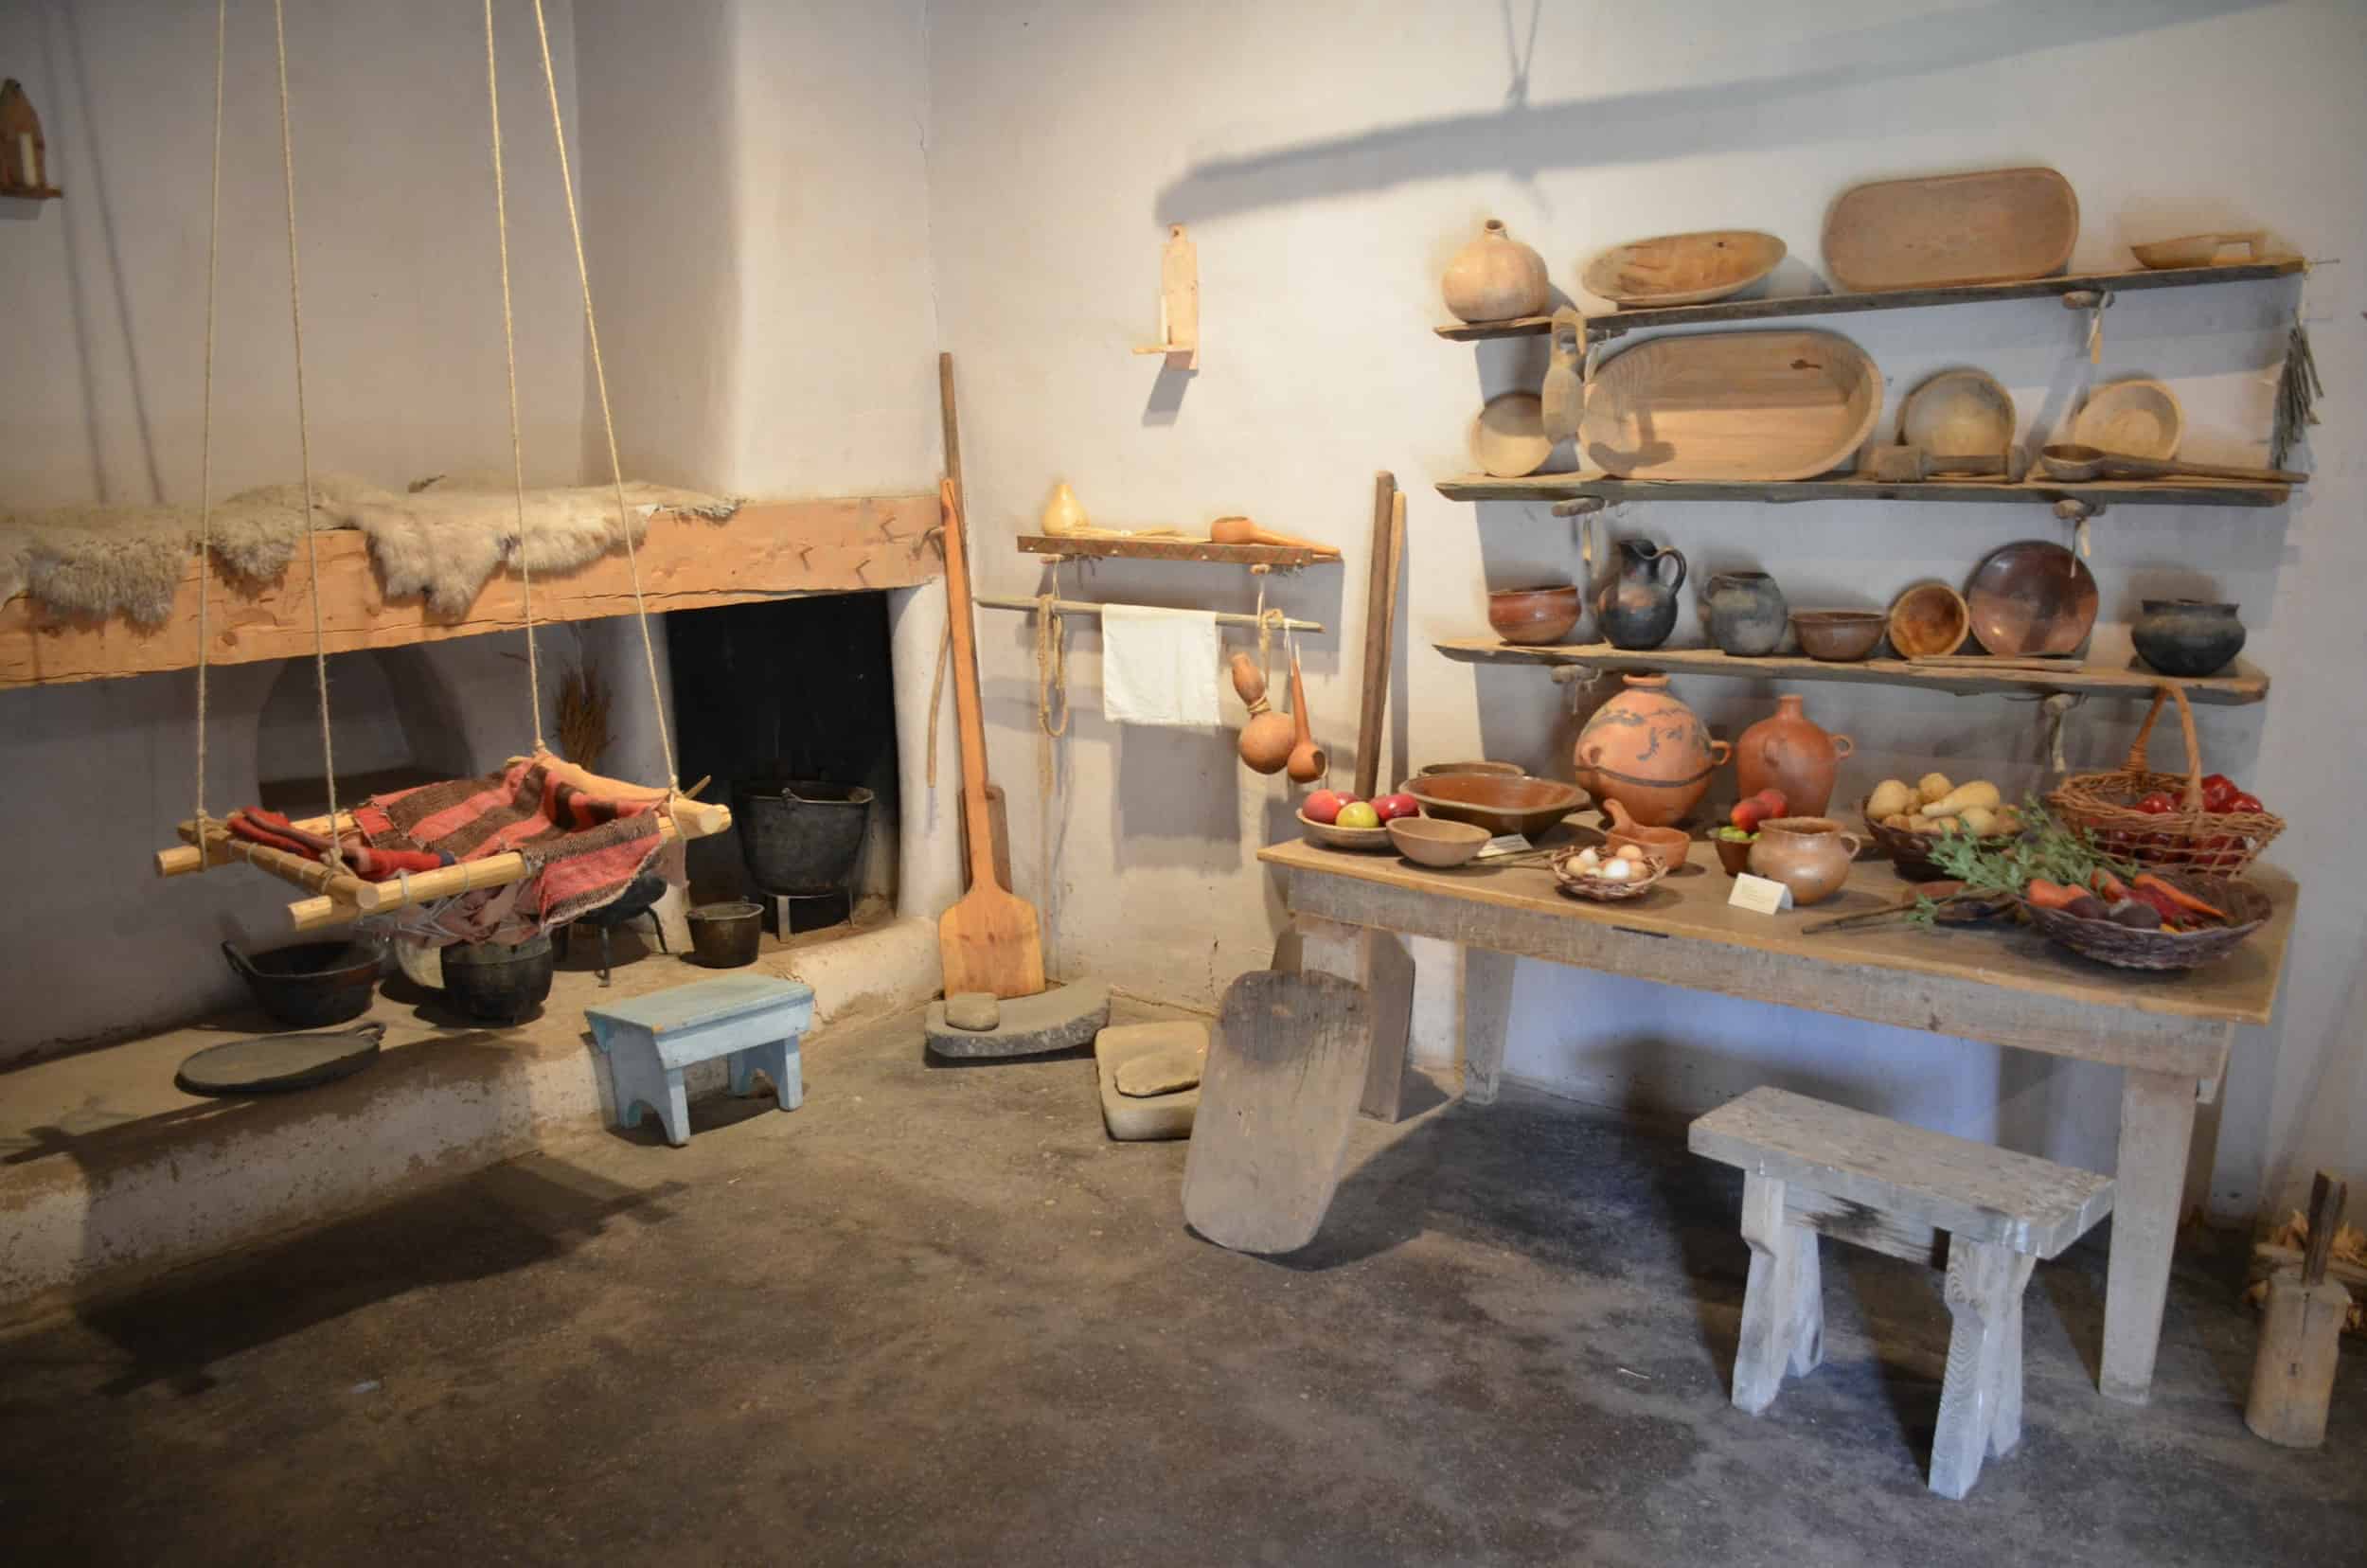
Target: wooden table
(2169, 1034)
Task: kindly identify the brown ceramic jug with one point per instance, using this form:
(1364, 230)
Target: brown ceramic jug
(1648, 750)
(1791, 753)
(1808, 854)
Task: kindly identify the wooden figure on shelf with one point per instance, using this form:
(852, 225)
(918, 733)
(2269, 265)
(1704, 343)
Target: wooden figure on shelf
(23, 155)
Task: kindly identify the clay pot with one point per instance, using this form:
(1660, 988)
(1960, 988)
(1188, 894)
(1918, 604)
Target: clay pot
(1838, 637)
(1669, 846)
(1746, 613)
(1648, 750)
(1790, 752)
(1635, 604)
(2187, 636)
(1532, 617)
(1808, 854)
(1496, 277)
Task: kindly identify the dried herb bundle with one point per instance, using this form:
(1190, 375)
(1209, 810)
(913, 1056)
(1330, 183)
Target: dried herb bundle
(2297, 391)
(583, 702)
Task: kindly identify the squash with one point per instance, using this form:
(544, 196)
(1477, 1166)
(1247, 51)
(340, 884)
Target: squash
(1890, 798)
(1979, 793)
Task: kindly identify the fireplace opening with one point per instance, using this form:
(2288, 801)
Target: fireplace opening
(789, 706)
(394, 729)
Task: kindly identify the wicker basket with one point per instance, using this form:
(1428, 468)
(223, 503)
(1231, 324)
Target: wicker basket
(2108, 942)
(1911, 853)
(2188, 838)
(1594, 889)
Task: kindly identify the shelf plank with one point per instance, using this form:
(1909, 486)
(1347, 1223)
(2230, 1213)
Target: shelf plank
(769, 549)
(1174, 549)
(2245, 683)
(1614, 323)
(1845, 487)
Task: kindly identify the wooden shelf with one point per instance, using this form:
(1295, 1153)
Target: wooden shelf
(1614, 323)
(25, 193)
(1844, 487)
(2245, 683)
(1174, 549)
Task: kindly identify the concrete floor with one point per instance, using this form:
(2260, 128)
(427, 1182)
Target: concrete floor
(935, 1316)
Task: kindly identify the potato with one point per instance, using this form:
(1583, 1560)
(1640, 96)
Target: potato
(1890, 798)
(2008, 820)
(1979, 820)
(1979, 793)
(1900, 820)
(1933, 785)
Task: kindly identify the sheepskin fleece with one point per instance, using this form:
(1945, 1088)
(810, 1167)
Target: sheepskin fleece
(444, 539)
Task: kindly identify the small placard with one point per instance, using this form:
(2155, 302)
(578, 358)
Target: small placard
(1763, 894)
(1503, 843)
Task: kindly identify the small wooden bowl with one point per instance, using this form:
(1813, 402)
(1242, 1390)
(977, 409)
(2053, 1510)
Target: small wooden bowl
(1838, 636)
(1929, 619)
(1958, 413)
(2135, 417)
(1533, 616)
(1332, 836)
(1507, 436)
(1500, 805)
(1431, 840)
(1571, 881)
(1501, 769)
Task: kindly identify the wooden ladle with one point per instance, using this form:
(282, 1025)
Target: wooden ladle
(1308, 760)
(1240, 531)
(1265, 742)
(2074, 462)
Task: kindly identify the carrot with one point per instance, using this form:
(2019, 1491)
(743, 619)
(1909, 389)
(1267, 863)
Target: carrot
(2047, 895)
(2187, 902)
(2108, 886)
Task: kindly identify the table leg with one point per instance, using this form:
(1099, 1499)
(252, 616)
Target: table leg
(1377, 961)
(2157, 1124)
(1485, 984)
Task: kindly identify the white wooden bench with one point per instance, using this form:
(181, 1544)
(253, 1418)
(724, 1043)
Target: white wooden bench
(1813, 1168)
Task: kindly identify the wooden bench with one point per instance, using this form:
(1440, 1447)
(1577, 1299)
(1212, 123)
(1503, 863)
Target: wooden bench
(1813, 1168)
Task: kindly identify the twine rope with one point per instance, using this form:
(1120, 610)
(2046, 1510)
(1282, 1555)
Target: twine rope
(509, 350)
(205, 440)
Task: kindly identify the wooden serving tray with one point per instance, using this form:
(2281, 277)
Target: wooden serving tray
(2001, 226)
(1769, 405)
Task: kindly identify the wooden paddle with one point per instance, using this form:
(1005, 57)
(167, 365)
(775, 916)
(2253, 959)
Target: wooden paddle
(987, 942)
(1285, 1069)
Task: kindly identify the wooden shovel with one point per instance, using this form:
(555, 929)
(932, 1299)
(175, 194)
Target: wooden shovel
(987, 942)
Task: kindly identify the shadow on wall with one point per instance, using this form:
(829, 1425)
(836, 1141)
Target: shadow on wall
(1649, 126)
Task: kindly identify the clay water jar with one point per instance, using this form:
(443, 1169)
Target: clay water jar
(1808, 854)
(2187, 636)
(1648, 751)
(1790, 752)
(1746, 613)
(1635, 603)
(1496, 277)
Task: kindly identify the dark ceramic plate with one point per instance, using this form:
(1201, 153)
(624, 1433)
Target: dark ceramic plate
(2034, 597)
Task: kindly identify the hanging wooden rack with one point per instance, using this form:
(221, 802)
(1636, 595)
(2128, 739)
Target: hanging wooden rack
(1075, 607)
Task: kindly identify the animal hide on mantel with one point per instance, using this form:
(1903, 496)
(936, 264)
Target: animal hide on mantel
(443, 538)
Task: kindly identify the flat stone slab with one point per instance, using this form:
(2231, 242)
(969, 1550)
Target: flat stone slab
(1133, 1119)
(1059, 1019)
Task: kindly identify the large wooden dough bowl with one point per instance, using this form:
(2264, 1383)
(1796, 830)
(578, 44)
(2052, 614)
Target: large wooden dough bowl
(1683, 269)
(1750, 406)
(2001, 226)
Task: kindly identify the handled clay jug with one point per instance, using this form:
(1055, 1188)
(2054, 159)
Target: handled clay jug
(1635, 603)
(1648, 751)
(1791, 753)
(1808, 854)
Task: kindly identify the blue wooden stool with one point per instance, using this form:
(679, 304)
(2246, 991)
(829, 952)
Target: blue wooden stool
(753, 1021)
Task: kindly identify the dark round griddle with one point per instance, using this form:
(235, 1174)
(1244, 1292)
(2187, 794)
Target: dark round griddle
(273, 1064)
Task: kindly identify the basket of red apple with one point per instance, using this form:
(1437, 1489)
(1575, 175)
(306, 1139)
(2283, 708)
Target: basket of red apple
(1336, 820)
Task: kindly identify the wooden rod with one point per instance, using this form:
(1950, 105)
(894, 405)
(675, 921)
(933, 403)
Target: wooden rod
(1072, 607)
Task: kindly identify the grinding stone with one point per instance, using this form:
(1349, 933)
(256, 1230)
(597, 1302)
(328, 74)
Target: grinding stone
(1054, 1020)
(973, 1010)
(1133, 1120)
(1167, 1072)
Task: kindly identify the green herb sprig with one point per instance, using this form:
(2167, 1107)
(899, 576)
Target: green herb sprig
(2047, 848)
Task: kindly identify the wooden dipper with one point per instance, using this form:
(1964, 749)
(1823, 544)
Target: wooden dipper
(2301, 1335)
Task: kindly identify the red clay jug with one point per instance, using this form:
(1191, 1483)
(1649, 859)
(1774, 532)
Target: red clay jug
(1791, 753)
(1648, 750)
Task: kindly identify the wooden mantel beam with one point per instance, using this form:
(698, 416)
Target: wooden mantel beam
(770, 549)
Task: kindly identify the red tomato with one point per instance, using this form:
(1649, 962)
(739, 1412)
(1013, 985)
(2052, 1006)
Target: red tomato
(2217, 789)
(2159, 803)
(2244, 800)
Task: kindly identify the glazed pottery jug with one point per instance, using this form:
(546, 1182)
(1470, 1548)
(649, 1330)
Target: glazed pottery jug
(1648, 750)
(2187, 636)
(1747, 613)
(1808, 854)
(1496, 277)
(1791, 753)
(1635, 603)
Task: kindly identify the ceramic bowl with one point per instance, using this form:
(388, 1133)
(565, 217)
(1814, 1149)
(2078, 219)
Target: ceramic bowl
(1432, 841)
(1669, 845)
(1929, 619)
(1500, 805)
(1838, 636)
(1734, 854)
(1504, 770)
(1329, 835)
(1531, 617)
(2034, 598)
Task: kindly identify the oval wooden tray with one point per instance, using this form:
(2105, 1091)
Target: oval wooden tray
(1772, 405)
(1683, 269)
(2001, 226)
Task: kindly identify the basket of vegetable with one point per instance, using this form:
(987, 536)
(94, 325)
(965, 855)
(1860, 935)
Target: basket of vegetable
(1589, 873)
(2171, 822)
(1906, 820)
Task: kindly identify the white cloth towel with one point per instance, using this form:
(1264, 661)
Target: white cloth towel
(1158, 666)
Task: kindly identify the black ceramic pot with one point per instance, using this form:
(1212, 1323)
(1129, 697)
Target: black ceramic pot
(1747, 613)
(497, 983)
(1635, 603)
(2187, 636)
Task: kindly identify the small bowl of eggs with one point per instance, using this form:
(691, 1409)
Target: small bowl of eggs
(1605, 874)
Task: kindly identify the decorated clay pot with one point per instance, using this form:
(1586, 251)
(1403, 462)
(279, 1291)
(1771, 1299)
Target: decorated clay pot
(1648, 750)
(1808, 854)
(1746, 613)
(1533, 616)
(1635, 603)
(2187, 636)
(1790, 752)
(1496, 277)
